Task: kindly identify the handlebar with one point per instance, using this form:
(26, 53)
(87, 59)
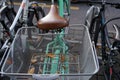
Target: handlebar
(116, 5)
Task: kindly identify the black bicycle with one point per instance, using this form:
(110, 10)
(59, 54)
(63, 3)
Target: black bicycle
(8, 15)
(109, 48)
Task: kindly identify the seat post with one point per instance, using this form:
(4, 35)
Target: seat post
(52, 1)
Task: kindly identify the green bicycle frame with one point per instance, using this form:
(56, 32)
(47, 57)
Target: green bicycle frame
(58, 45)
(64, 4)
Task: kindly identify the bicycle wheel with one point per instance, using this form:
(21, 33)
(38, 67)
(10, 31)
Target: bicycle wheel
(116, 68)
(64, 8)
(113, 72)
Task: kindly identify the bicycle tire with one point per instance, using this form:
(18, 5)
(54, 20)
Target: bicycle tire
(112, 70)
(112, 64)
(108, 75)
(116, 69)
(115, 76)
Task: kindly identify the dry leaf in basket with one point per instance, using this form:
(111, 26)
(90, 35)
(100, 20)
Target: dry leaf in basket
(38, 39)
(9, 61)
(51, 55)
(41, 59)
(40, 71)
(62, 58)
(33, 61)
(58, 72)
(31, 70)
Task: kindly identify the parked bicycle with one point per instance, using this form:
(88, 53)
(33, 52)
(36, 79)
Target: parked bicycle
(8, 14)
(98, 31)
(11, 21)
(112, 47)
(7, 17)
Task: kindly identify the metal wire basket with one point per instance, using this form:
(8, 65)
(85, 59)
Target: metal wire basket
(27, 59)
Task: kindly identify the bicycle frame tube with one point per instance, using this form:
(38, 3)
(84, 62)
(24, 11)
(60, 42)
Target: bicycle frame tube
(103, 31)
(62, 4)
(105, 41)
(22, 6)
(58, 45)
(61, 7)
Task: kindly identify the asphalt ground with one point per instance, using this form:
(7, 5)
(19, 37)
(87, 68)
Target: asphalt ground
(78, 10)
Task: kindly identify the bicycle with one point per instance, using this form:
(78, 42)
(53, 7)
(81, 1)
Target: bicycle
(96, 26)
(8, 15)
(9, 18)
(113, 46)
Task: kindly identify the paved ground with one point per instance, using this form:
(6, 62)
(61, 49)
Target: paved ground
(78, 10)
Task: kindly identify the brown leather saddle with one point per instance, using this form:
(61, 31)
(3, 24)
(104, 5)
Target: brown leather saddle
(52, 20)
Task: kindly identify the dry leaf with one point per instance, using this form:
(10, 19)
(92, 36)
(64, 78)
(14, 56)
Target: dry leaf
(9, 61)
(33, 60)
(62, 58)
(31, 71)
(51, 55)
